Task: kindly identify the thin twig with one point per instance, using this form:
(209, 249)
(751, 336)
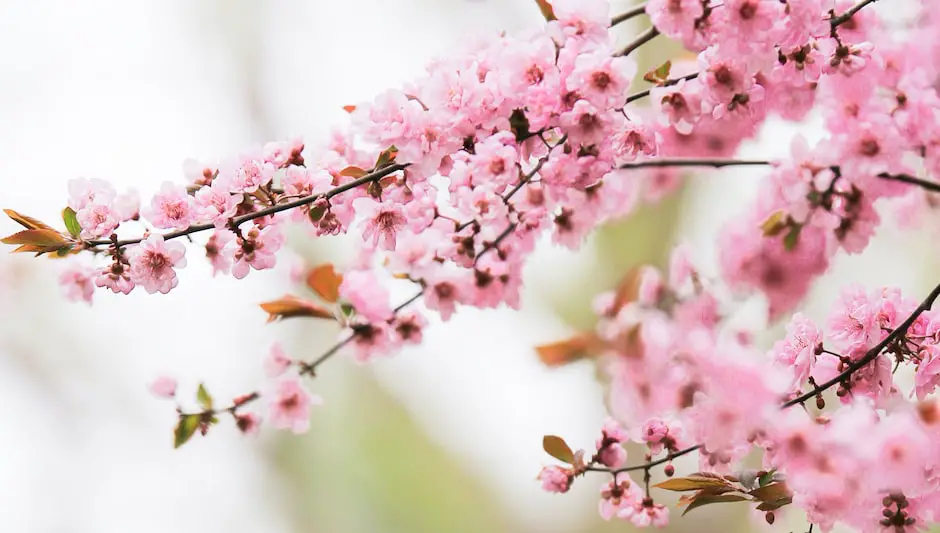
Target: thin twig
(844, 17)
(623, 17)
(642, 39)
(668, 83)
(716, 163)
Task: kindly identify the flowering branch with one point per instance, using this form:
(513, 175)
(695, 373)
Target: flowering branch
(643, 94)
(844, 17)
(871, 354)
(238, 221)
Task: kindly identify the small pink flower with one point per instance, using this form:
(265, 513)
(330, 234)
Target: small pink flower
(797, 352)
(152, 263)
(220, 250)
(217, 205)
(610, 451)
(364, 292)
(927, 376)
(646, 513)
(83, 192)
(383, 220)
(248, 423)
(78, 283)
(163, 387)
(616, 498)
(97, 220)
(291, 406)
(277, 362)
(116, 277)
(126, 206)
(172, 208)
(257, 250)
(555, 479)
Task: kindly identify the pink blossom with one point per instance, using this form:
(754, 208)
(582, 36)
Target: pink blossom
(277, 361)
(610, 451)
(116, 277)
(618, 497)
(163, 387)
(257, 250)
(646, 513)
(152, 262)
(408, 327)
(602, 79)
(383, 220)
(366, 294)
(290, 408)
(852, 323)
(555, 479)
(172, 208)
(220, 250)
(97, 220)
(798, 350)
(927, 376)
(248, 423)
(216, 205)
(78, 282)
(126, 206)
(83, 192)
(675, 18)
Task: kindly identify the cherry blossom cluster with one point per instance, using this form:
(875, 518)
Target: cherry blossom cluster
(686, 381)
(449, 182)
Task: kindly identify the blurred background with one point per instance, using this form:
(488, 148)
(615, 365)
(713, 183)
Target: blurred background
(443, 438)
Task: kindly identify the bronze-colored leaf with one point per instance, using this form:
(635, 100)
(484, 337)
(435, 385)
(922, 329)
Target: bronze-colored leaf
(26, 221)
(568, 350)
(776, 504)
(775, 223)
(771, 492)
(324, 281)
(291, 306)
(707, 499)
(353, 172)
(40, 241)
(546, 9)
(557, 448)
(682, 484)
(349, 108)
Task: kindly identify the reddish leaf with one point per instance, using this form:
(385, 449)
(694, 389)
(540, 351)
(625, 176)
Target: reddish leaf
(557, 448)
(776, 504)
(291, 306)
(694, 482)
(772, 492)
(40, 241)
(349, 108)
(324, 281)
(546, 10)
(704, 498)
(353, 172)
(25, 221)
(386, 157)
(568, 350)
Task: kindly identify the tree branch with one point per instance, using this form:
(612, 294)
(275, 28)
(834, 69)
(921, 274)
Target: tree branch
(642, 39)
(623, 17)
(667, 83)
(844, 17)
(716, 163)
(237, 221)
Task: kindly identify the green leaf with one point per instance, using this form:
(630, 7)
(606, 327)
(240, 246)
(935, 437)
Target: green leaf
(775, 223)
(71, 222)
(348, 309)
(185, 429)
(766, 478)
(705, 498)
(681, 484)
(557, 448)
(792, 238)
(204, 398)
(546, 10)
(660, 74)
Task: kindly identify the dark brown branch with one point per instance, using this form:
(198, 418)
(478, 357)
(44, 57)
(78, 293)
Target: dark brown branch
(623, 17)
(924, 184)
(237, 221)
(642, 39)
(645, 466)
(844, 17)
(643, 94)
(871, 354)
(716, 163)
